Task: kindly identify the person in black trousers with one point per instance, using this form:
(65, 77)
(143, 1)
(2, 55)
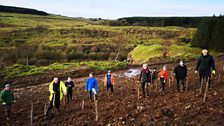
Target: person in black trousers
(180, 72)
(70, 85)
(145, 78)
(205, 66)
(57, 89)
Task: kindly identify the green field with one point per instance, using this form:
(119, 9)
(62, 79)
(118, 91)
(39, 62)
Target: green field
(44, 40)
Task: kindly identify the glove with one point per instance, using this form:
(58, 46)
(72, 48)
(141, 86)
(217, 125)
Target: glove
(213, 72)
(196, 71)
(14, 101)
(3, 103)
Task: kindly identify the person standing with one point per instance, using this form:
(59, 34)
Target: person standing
(7, 98)
(163, 76)
(145, 79)
(92, 86)
(180, 73)
(109, 81)
(205, 66)
(56, 88)
(70, 85)
(154, 75)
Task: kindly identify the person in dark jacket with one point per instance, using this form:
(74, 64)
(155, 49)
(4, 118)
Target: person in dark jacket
(70, 85)
(154, 75)
(7, 98)
(145, 78)
(180, 72)
(205, 66)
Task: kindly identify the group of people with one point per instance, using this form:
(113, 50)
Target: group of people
(148, 77)
(205, 67)
(57, 88)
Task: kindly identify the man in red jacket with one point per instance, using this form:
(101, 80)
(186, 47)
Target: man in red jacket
(163, 77)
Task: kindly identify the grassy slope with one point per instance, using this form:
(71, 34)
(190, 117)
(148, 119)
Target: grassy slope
(57, 30)
(22, 70)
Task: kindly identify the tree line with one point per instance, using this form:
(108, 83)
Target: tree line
(210, 34)
(21, 10)
(156, 21)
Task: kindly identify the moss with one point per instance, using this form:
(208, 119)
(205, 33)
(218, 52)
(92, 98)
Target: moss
(143, 53)
(22, 70)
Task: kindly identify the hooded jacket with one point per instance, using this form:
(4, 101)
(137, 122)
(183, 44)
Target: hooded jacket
(91, 83)
(164, 74)
(7, 96)
(61, 89)
(145, 75)
(180, 72)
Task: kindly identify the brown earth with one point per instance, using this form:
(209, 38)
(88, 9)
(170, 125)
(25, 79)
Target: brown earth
(123, 108)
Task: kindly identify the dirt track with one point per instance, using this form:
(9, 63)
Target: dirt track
(123, 108)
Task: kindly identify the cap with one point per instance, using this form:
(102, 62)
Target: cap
(7, 85)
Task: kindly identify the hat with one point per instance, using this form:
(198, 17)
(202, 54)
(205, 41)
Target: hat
(109, 71)
(204, 48)
(7, 85)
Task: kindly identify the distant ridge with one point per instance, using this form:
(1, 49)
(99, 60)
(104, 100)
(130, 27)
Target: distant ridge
(21, 10)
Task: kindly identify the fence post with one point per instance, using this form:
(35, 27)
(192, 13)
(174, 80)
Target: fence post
(201, 86)
(96, 110)
(169, 82)
(187, 82)
(206, 90)
(31, 114)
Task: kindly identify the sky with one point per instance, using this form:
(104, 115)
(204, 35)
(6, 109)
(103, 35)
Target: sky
(113, 9)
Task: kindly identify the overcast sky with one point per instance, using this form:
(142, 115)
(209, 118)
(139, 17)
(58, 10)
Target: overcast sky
(113, 9)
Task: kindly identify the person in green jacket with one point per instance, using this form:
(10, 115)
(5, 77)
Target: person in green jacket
(56, 88)
(7, 98)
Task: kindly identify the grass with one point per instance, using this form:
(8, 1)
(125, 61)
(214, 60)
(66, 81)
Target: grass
(143, 53)
(18, 70)
(57, 31)
(80, 30)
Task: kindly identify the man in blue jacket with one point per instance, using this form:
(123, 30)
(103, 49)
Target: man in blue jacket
(92, 86)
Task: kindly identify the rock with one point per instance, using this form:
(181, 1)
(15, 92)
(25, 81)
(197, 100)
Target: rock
(187, 107)
(132, 119)
(140, 107)
(120, 118)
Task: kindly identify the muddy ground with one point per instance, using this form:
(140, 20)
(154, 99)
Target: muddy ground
(123, 107)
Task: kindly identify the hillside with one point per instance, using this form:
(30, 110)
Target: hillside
(11, 9)
(77, 39)
(43, 40)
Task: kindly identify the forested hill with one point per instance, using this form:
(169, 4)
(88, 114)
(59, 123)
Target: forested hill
(21, 10)
(158, 21)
